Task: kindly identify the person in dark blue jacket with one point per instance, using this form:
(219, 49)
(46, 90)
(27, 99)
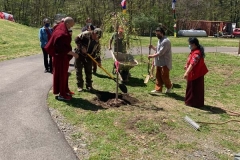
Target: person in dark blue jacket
(44, 35)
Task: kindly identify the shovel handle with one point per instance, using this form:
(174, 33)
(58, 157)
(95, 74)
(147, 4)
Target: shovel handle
(100, 66)
(149, 50)
(150, 37)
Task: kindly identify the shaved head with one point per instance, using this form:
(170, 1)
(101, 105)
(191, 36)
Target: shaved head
(69, 22)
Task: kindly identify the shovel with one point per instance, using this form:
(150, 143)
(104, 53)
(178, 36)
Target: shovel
(148, 76)
(122, 87)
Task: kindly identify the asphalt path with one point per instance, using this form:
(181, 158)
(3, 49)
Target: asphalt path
(27, 131)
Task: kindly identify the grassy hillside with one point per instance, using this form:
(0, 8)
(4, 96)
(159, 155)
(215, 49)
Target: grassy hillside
(17, 40)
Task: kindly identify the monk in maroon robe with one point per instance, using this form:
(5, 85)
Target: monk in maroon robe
(59, 47)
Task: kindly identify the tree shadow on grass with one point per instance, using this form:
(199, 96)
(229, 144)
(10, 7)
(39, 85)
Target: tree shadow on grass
(175, 96)
(135, 82)
(176, 85)
(83, 104)
(101, 76)
(211, 109)
(170, 95)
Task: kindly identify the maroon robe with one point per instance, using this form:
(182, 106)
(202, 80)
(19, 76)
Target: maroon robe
(195, 92)
(195, 83)
(58, 47)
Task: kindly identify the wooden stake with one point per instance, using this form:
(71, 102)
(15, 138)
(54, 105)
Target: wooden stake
(117, 68)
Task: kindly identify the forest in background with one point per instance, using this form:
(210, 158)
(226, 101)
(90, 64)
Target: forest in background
(143, 12)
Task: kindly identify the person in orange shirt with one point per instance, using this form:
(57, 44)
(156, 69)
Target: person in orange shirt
(194, 74)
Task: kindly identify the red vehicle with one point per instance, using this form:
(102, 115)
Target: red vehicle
(4, 15)
(236, 32)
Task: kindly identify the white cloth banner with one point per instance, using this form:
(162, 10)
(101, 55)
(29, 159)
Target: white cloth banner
(173, 6)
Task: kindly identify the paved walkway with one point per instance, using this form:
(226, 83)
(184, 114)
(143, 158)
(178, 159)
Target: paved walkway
(27, 131)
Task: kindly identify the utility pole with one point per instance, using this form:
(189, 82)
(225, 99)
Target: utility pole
(114, 8)
(174, 18)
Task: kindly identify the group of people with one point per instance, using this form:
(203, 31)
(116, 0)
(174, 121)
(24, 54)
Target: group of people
(195, 68)
(56, 44)
(57, 51)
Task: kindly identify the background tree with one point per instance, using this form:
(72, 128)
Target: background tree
(31, 12)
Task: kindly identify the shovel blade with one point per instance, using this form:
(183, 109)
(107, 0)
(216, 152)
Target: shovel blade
(123, 88)
(146, 79)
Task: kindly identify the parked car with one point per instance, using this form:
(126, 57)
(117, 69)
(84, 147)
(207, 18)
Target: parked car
(236, 32)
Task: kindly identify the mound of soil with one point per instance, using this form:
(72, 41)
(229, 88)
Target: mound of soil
(108, 99)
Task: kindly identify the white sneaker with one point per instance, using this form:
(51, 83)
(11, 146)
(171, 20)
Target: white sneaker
(79, 89)
(155, 91)
(169, 90)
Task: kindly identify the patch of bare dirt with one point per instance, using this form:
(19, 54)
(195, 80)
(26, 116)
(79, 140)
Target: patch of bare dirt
(224, 71)
(230, 82)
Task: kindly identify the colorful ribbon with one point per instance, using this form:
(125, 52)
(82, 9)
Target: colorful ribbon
(124, 6)
(117, 66)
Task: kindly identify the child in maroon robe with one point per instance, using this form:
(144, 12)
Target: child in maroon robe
(59, 47)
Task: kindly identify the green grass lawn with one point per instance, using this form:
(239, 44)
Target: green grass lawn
(205, 41)
(154, 127)
(18, 40)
